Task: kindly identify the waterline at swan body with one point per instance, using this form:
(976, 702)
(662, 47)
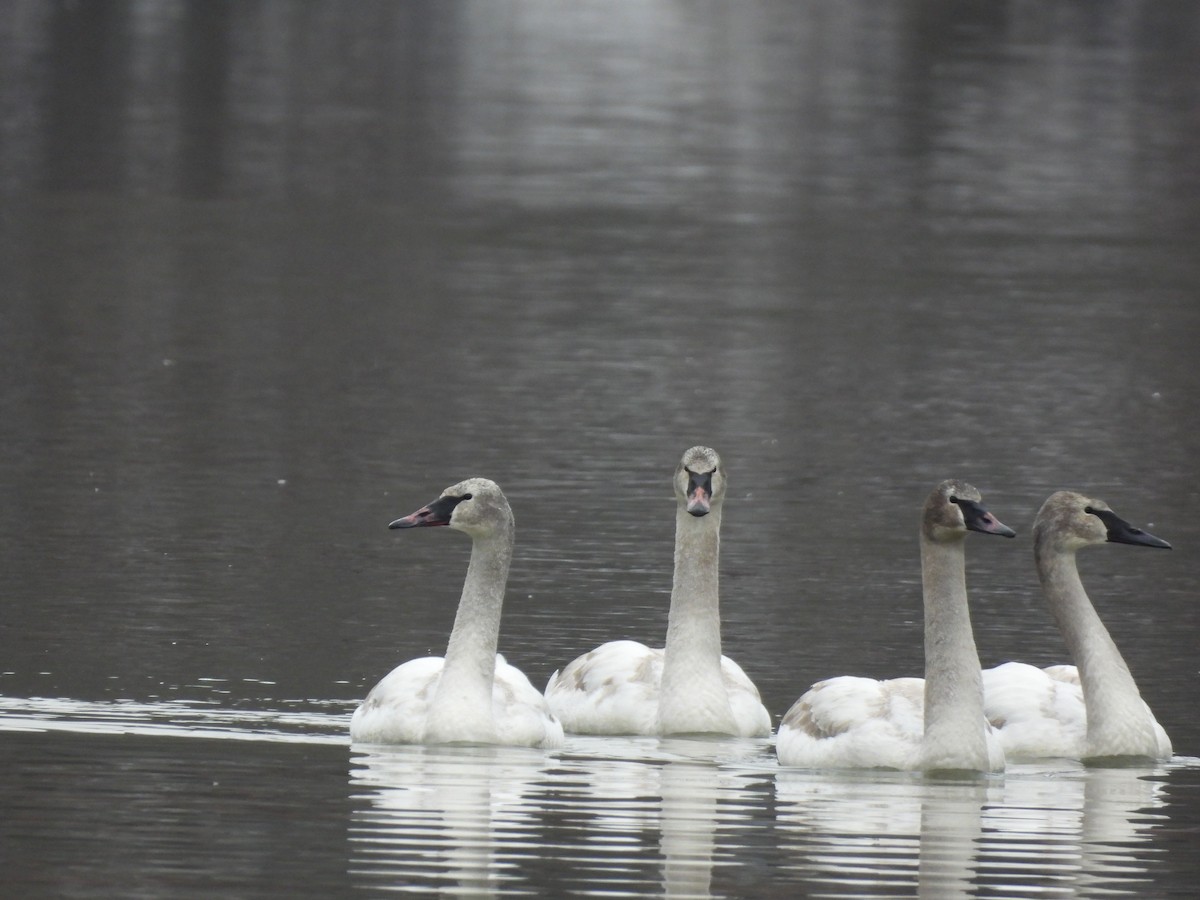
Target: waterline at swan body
(1092, 710)
(912, 724)
(687, 687)
(471, 695)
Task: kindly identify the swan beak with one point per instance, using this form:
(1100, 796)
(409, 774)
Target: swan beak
(1121, 532)
(436, 513)
(978, 518)
(699, 493)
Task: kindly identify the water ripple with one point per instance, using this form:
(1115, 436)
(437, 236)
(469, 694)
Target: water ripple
(300, 721)
(684, 817)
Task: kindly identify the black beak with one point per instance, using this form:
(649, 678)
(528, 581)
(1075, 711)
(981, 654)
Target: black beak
(1121, 532)
(699, 493)
(979, 519)
(436, 513)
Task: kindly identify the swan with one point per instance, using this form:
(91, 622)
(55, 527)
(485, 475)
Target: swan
(688, 687)
(935, 723)
(472, 695)
(1093, 711)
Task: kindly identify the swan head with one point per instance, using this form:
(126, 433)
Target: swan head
(476, 507)
(700, 481)
(954, 508)
(1069, 521)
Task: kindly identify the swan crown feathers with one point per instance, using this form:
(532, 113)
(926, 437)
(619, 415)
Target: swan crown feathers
(1069, 520)
(952, 509)
(481, 510)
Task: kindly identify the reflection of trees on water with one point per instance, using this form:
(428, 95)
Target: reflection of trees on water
(1057, 829)
(511, 102)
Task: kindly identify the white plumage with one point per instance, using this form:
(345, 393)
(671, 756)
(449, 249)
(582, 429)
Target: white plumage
(688, 687)
(616, 689)
(935, 723)
(1094, 711)
(472, 695)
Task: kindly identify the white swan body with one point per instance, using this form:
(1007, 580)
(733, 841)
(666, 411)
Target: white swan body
(912, 724)
(616, 689)
(472, 695)
(688, 687)
(1094, 711)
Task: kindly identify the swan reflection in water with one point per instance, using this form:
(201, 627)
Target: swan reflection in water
(633, 815)
(444, 817)
(685, 789)
(1052, 828)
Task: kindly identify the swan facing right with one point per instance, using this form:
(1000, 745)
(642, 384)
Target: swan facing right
(1092, 710)
(905, 723)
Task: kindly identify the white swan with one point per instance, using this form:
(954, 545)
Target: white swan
(688, 687)
(1093, 711)
(907, 723)
(473, 695)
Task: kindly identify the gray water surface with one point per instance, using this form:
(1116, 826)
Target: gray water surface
(276, 274)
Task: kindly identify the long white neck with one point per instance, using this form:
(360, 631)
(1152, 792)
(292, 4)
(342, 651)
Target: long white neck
(462, 704)
(693, 698)
(954, 722)
(1118, 721)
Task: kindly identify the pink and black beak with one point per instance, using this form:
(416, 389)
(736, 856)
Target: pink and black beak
(436, 513)
(977, 518)
(699, 492)
(1121, 532)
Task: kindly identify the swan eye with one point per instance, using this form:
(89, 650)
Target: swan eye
(953, 499)
(464, 497)
(1089, 511)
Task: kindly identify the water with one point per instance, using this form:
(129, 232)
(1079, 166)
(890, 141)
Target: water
(275, 275)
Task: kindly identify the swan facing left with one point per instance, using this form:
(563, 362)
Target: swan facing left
(471, 695)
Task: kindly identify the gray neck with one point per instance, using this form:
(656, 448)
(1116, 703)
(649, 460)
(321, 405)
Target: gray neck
(464, 692)
(954, 721)
(693, 697)
(1118, 721)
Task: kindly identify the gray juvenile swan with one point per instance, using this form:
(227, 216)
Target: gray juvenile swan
(624, 687)
(472, 695)
(1094, 711)
(913, 724)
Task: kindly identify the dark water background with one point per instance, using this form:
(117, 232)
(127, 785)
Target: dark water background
(274, 274)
